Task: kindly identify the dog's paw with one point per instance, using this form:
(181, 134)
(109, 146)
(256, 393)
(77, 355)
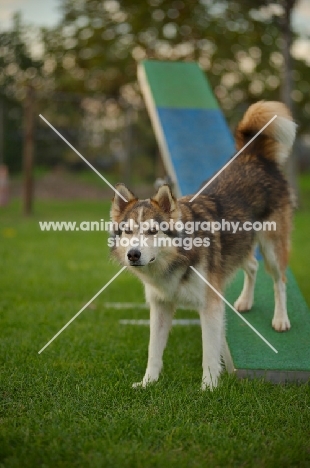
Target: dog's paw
(243, 304)
(139, 384)
(209, 384)
(281, 324)
(144, 382)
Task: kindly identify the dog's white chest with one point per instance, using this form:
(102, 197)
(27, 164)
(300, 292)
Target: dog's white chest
(189, 292)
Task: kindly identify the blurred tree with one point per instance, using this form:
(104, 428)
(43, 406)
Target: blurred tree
(281, 14)
(95, 48)
(17, 68)
(17, 65)
(287, 82)
(239, 44)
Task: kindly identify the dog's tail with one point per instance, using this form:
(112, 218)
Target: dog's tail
(276, 140)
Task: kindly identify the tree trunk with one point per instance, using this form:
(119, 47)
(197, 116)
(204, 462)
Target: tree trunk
(287, 82)
(28, 151)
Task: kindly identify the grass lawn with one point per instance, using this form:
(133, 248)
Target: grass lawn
(73, 405)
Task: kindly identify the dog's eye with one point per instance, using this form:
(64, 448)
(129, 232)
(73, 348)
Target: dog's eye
(128, 231)
(153, 231)
(118, 232)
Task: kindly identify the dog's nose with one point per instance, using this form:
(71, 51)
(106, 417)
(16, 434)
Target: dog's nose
(133, 255)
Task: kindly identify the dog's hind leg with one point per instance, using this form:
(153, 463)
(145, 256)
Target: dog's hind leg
(275, 250)
(212, 326)
(161, 314)
(246, 298)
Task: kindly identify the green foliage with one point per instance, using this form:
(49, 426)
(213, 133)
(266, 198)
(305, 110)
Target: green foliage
(86, 81)
(17, 66)
(17, 69)
(300, 235)
(240, 48)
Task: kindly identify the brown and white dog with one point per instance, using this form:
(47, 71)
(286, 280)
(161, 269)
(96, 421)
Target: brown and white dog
(252, 189)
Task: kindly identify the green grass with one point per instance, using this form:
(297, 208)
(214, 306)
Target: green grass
(91, 178)
(300, 254)
(73, 405)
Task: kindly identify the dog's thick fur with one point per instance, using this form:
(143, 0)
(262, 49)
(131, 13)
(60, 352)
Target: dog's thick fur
(252, 188)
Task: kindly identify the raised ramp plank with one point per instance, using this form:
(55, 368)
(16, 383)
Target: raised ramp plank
(250, 355)
(190, 128)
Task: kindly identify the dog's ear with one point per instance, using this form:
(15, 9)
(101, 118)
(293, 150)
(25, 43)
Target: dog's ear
(165, 199)
(123, 196)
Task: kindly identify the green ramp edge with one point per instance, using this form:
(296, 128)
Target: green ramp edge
(179, 85)
(250, 355)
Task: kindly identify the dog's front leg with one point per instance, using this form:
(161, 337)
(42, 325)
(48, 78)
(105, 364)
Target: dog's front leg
(212, 327)
(161, 314)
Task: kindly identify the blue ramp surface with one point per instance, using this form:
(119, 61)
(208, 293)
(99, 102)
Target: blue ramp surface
(192, 133)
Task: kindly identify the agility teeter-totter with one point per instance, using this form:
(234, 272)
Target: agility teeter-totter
(195, 142)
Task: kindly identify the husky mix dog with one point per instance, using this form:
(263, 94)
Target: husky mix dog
(253, 188)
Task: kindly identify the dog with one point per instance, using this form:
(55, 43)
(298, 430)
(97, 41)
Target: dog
(251, 189)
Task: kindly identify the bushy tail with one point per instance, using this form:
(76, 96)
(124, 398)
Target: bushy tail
(276, 140)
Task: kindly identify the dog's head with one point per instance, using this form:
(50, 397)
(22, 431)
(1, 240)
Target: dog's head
(139, 224)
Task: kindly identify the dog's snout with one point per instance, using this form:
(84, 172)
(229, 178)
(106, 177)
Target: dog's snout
(134, 255)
